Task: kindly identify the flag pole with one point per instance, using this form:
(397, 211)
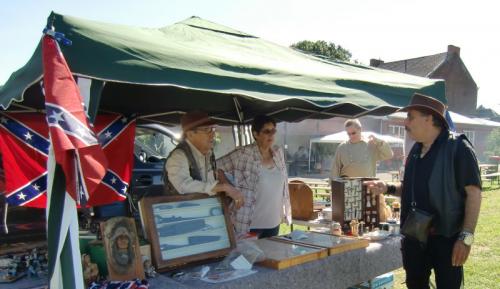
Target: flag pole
(69, 132)
(65, 265)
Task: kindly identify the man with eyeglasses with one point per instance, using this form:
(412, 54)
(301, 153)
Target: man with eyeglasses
(358, 157)
(190, 167)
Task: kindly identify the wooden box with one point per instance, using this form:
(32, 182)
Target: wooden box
(334, 244)
(301, 201)
(350, 200)
(281, 254)
(186, 228)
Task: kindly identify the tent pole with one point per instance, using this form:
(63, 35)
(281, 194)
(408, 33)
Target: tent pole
(310, 147)
(237, 106)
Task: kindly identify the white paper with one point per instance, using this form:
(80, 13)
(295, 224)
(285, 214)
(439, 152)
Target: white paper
(241, 263)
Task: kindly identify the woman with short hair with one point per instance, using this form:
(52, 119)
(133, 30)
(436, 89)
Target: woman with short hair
(259, 172)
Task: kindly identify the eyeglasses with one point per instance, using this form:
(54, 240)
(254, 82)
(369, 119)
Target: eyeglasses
(352, 133)
(206, 129)
(269, 131)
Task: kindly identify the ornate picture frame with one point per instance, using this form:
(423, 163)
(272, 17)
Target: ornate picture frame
(186, 228)
(123, 255)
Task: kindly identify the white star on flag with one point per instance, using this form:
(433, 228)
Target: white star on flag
(108, 134)
(21, 196)
(124, 119)
(81, 131)
(57, 116)
(28, 136)
(3, 119)
(36, 187)
(113, 180)
(124, 190)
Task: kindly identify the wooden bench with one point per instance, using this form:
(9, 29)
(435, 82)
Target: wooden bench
(394, 175)
(320, 188)
(492, 177)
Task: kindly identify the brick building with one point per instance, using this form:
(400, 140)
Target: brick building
(461, 89)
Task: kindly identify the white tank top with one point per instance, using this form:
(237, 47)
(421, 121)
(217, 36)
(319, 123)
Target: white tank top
(269, 199)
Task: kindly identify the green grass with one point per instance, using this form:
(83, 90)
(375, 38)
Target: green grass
(482, 270)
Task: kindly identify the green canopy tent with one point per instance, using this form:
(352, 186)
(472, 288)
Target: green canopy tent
(158, 74)
(196, 64)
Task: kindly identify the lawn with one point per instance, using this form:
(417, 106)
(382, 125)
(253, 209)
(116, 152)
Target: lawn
(482, 270)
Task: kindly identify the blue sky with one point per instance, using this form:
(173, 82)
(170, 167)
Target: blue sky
(385, 29)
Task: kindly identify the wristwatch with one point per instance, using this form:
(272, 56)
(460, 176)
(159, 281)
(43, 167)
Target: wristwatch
(466, 237)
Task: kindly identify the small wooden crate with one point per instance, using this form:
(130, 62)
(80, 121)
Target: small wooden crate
(350, 201)
(334, 244)
(280, 254)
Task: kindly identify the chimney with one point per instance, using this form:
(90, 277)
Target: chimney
(453, 50)
(376, 62)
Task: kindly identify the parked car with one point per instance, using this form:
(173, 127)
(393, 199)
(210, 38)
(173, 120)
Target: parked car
(152, 144)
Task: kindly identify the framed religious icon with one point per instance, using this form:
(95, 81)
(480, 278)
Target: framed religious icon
(186, 228)
(351, 201)
(123, 255)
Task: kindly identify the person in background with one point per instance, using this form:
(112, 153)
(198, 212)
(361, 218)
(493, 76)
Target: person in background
(442, 178)
(358, 157)
(259, 171)
(299, 161)
(190, 167)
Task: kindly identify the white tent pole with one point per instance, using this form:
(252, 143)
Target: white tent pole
(310, 146)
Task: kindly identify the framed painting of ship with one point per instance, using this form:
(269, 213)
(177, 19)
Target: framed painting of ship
(186, 228)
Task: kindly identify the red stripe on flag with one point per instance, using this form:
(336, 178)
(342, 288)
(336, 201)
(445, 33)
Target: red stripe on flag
(62, 91)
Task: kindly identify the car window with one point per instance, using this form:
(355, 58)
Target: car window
(152, 145)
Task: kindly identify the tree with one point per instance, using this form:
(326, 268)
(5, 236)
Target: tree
(493, 143)
(484, 112)
(325, 49)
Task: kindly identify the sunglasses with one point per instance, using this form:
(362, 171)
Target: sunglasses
(207, 129)
(269, 131)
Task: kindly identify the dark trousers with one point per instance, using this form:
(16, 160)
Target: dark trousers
(265, 233)
(419, 260)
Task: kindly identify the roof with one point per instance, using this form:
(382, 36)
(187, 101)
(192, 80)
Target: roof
(457, 119)
(420, 66)
(158, 73)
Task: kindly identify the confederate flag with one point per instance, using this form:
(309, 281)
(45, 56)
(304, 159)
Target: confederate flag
(75, 144)
(24, 143)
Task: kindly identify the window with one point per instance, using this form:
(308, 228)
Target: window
(397, 131)
(151, 143)
(471, 135)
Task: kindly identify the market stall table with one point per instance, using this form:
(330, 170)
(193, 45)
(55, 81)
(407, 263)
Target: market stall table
(338, 271)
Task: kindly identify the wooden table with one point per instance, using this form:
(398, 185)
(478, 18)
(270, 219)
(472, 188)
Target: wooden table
(394, 175)
(320, 188)
(490, 172)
